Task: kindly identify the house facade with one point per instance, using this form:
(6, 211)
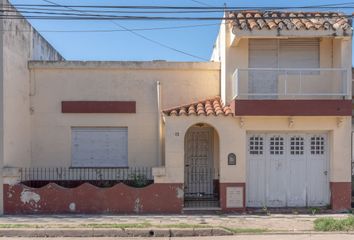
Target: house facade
(266, 123)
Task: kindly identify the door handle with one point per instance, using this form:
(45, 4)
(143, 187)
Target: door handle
(325, 173)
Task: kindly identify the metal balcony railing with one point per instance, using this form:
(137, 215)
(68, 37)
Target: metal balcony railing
(291, 83)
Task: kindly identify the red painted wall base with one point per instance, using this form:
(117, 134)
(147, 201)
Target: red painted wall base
(341, 195)
(54, 199)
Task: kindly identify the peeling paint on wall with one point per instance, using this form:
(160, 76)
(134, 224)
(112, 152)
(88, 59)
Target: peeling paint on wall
(72, 207)
(28, 196)
(86, 198)
(180, 193)
(137, 206)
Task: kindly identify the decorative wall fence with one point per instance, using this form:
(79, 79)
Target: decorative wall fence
(109, 190)
(73, 177)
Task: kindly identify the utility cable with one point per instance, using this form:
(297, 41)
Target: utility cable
(146, 38)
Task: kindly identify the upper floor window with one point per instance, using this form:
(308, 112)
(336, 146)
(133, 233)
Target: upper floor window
(284, 53)
(299, 53)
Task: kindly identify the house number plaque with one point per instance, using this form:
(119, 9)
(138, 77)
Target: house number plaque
(231, 159)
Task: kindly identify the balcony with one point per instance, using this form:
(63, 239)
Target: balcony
(290, 83)
(291, 92)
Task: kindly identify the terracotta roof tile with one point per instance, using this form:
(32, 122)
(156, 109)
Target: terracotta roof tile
(208, 107)
(257, 20)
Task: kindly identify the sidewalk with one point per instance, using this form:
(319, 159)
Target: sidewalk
(155, 225)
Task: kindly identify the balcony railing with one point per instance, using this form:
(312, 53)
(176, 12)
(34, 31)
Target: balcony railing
(290, 83)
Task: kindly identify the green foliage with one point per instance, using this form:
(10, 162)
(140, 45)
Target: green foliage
(246, 230)
(183, 225)
(18, 226)
(330, 224)
(139, 180)
(117, 225)
(314, 210)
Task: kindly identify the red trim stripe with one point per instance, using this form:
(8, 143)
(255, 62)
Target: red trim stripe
(98, 107)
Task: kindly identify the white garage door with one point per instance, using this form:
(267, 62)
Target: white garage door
(99, 147)
(287, 169)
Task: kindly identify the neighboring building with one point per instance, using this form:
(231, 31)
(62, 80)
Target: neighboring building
(265, 123)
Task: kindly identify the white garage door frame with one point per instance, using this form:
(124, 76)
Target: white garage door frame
(287, 179)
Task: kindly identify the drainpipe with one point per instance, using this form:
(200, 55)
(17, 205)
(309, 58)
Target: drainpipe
(159, 127)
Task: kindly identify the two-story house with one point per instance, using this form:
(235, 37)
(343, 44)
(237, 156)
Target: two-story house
(265, 123)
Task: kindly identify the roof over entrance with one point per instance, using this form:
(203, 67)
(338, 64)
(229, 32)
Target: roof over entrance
(269, 20)
(208, 107)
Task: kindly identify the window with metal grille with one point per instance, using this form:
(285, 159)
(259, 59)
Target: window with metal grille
(317, 145)
(256, 145)
(296, 145)
(276, 145)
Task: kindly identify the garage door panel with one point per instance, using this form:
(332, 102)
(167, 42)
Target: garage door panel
(296, 191)
(318, 192)
(292, 170)
(255, 174)
(276, 166)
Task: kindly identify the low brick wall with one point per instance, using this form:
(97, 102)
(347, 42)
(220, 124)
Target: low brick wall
(54, 199)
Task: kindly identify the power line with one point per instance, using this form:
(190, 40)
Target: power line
(335, 5)
(122, 11)
(49, 10)
(146, 38)
(201, 3)
(154, 18)
(117, 30)
(22, 9)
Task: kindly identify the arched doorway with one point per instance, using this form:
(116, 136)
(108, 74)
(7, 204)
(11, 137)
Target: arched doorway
(201, 172)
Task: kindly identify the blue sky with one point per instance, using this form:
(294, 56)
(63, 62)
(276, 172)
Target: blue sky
(126, 46)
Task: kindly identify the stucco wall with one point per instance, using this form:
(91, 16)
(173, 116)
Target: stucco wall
(20, 44)
(53, 82)
(232, 139)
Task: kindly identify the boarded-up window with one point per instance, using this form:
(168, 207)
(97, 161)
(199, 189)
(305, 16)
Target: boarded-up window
(99, 147)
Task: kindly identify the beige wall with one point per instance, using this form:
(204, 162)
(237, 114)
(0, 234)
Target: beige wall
(110, 81)
(232, 137)
(21, 42)
(230, 58)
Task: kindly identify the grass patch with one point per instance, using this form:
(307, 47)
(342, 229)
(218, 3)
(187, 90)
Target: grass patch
(183, 225)
(330, 224)
(246, 230)
(18, 226)
(117, 225)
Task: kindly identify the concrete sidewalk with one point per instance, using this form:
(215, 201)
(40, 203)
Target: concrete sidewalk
(272, 223)
(337, 236)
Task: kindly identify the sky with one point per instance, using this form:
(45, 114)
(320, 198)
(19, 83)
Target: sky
(125, 46)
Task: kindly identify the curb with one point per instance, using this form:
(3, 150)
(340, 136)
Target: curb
(138, 232)
(112, 232)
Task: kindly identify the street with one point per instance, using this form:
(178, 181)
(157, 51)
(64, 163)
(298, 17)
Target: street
(328, 236)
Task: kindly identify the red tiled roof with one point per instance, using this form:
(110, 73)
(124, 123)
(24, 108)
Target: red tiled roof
(257, 20)
(209, 107)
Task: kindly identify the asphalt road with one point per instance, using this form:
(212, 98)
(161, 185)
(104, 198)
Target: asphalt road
(330, 236)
